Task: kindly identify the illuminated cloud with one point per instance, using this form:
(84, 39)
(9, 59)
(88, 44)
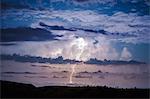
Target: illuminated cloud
(126, 55)
(75, 48)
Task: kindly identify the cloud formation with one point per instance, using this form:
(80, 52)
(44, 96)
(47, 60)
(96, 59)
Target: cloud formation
(26, 34)
(123, 27)
(104, 6)
(69, 49)
(126, 55)
(74, 33)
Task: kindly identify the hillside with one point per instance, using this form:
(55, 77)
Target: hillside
(14, 90)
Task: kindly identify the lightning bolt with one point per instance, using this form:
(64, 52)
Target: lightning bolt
(80, 45)
(72, 72)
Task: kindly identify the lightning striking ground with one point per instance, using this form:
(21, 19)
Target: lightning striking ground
(80, 44)
(72, 72)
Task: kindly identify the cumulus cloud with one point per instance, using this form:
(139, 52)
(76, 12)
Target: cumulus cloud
(79, 48)
(126, 55)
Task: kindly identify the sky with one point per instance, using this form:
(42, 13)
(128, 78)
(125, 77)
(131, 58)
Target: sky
(77, 29)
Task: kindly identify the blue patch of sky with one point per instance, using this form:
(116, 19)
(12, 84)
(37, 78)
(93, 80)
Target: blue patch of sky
(139, 51)
(10, 23)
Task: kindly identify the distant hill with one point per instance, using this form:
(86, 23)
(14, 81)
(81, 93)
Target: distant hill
(61, 60)
(20, 90)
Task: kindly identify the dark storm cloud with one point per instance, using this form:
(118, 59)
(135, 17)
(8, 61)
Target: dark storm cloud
(81, 76)
(71, 29)
(55, 27)
(34, 59)
(95, 42)
(81, 0)
(97, 72)
(26, 34)
(54, 76)
(61, 60)
(8, 44)
(19, 73)
(103, 32)
(10, 5)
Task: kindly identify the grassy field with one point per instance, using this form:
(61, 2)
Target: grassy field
(19, 90)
